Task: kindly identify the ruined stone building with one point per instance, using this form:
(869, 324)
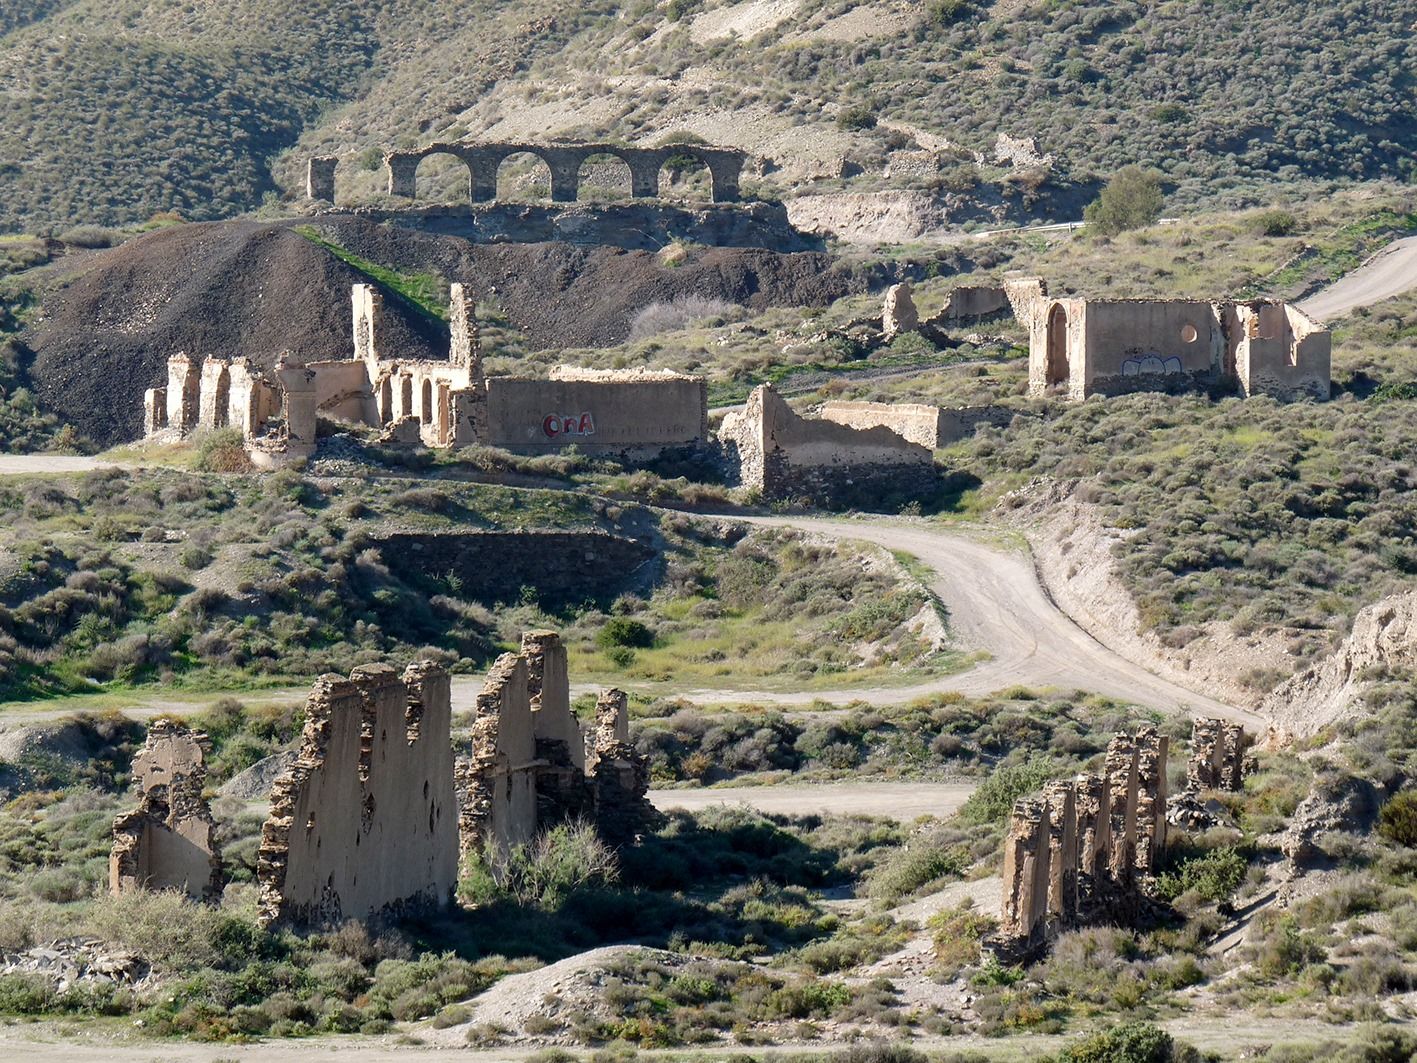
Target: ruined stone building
(929, 426)
(438, 403)
(1088, 346)
(784, 455)
(1077, 851)
(365, 822)
(566, 162)
(1219, 755)
(169, 840)
(531, 764)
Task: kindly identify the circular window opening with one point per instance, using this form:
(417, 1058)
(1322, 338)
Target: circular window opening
(1188, 333)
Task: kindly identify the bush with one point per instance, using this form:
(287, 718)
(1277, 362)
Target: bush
(943, 12)
(557, 864)
(679, 313)
(1131, 1042)
(1215, 876)
(1131, 200)
(90, 236)
(1397, 820)
(861, 116)
(624, 632)
(1275, 223)
(223, 450)
(995, 798)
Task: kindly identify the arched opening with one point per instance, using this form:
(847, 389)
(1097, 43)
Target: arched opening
(406, 396)
(1058, 371)
(443, 178)
(425, 414)
(604, 178)
(221, 412)
(685, 176)
(386, 400)
(523, 177)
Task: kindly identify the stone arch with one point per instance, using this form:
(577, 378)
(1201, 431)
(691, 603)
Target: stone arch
(221, 404)
(605, 175)
(512, 185)
(686, 174)
(425, 407)
(386, 400)
(1059, 370)
(450, 177)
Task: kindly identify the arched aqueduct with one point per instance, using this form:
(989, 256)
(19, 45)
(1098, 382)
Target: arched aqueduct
(725, 166)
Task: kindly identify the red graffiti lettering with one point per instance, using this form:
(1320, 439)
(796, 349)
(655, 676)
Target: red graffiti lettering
(551, 426)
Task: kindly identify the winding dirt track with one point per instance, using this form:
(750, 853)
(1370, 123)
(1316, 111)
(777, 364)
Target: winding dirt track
(900, 801)
(1390, 272)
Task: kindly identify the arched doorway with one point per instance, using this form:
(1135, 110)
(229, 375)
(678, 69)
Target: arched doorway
(1058, 371)
(523, 177)
(604, 178)
(425, 413)
(386, 400)
(685, 176)
(406, 396)
(446, 178)
(221, 412)
(445, 403)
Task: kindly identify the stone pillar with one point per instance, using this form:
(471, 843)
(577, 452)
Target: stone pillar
(214, 394)
(1062, 851)
(1206, 764)
(725, 170)
(183, 393)
(898, 313)
(1025, 869)
(483, 183)
(368, 306)
(1122, 802)
(1152, 749)
(464, 350)
(154, 411)
(1233, 760)
(300, 409)
(549, 690)
(320, 178)
(1094, 825)
(403, 174)
(565, 179)
(644, 175)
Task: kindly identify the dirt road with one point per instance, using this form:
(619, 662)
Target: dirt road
(33, 464)
(1392, 271)
(900, 801)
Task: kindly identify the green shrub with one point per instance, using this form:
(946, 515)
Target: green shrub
(624, 632)
(1397, 820)
(943, 12)
(858, 117)
(1275, 223)
(222, 450)
(1131, 1042)
(1215, 876)
(1131, 200)
(994, 799)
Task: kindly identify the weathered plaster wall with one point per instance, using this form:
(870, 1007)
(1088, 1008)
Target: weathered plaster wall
(497, 784)
(366, 820)
(633, 413)
(929, 426)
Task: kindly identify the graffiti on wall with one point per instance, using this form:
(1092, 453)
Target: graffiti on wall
(558, 426)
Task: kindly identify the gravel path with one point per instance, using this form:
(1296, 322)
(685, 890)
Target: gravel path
(1390, 272)
(901, 801)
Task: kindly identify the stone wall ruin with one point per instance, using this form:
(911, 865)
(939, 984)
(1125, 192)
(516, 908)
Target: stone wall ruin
(169, 840)
(783, 455)
(929, 426)
(1090, 347)
(1219, 755)
(364, 824)
(1079, 849)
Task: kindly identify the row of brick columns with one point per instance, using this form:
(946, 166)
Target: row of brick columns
(725, 168)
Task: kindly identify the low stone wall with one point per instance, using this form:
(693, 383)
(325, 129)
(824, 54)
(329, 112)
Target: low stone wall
(784, 455)
(494, 566)
(929, 426)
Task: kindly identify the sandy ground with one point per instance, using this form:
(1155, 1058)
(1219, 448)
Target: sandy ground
(32, 464)
(1390, 272)
(901, 801)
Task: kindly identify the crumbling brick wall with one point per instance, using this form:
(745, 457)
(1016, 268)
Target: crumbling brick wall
(169, 840)
(929, 426)
(1079, 848)
(619, 774)
(783, 455)
(1219, 755)
(497, 782)
(364, 823)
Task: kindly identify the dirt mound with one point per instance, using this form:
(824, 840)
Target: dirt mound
(1384, 636)
(229, 289)
(110, 323)
(254, 784)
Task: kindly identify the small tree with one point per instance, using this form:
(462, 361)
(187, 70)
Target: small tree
(1131, 200)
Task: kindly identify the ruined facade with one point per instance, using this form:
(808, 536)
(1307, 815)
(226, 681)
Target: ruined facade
(438, 403)
(784, 455)
(1219, 755)
(531, 765)
(898, 311)
(1080, 847)
(1114, 346)
(568, 163)
(929, 426)
(365, 822)
(169, 840)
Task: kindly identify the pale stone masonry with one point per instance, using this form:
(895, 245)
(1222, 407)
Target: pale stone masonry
(929, 426)
(169, 840)
(1082, 844)
(1087, 346)
(365, 823)
(1219, 759)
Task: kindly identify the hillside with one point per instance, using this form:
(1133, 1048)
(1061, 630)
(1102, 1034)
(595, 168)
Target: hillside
(117, 110)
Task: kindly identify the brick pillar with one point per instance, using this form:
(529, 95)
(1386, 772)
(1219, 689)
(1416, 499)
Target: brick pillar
(320, 178)
(1062, 850)
(1121, 767)
(1152, 749)
(1025, 869)
(403, 175)
(1094, 825)
(154, 411)
(183, 393)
